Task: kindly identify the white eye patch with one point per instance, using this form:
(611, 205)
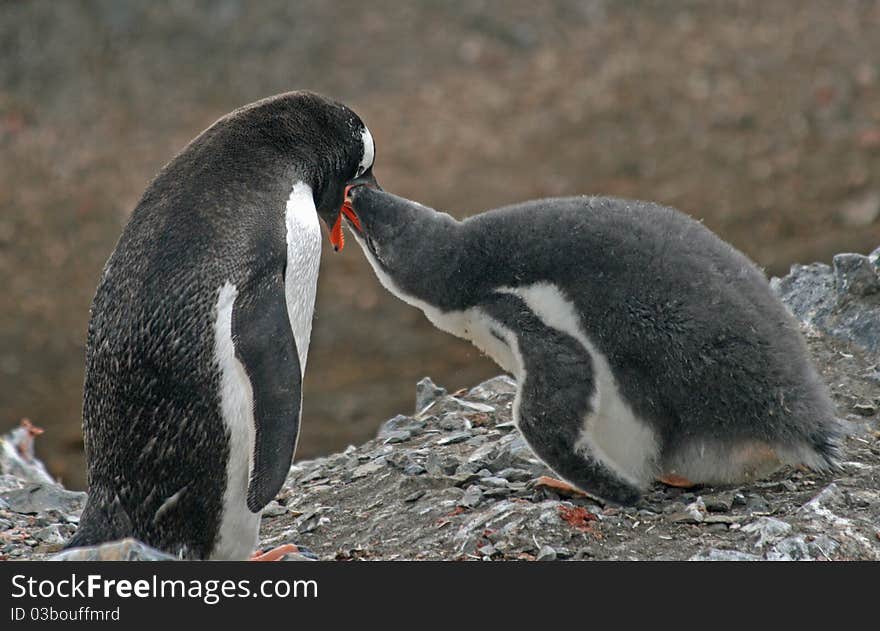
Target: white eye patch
(369, 152)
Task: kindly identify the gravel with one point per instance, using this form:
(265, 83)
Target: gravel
(457, 482)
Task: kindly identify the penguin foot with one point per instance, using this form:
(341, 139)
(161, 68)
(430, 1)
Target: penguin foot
(558, 486)
(677, 481)
(275, 554)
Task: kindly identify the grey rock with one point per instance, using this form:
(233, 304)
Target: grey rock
(465, 480)
(274, 509)
(368, 468)
(297, 556)
(864, 409)
(452, 422)
(756, 504)
(414, 468)
(727, 520)
(415, 496)
(468, 468)
(496, 493)
(427, 392)
(714, 554)
(52, 535)
(397, 436)
(394, 424)
(797, 548)
(441, 465)
(828, 499)
(514, 475)
(472, 497)
(842, 302)
(693, 513)
(494, 388)
(482, 456)
(546, 553)
(719, 502)
(766, 530)
(471, 405)
(854, 274)
(125, 550)
(39, 498)
(457, 437)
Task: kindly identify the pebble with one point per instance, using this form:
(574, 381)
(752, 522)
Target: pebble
(397, 436)
(274, 509)
(864, 409)
(468, 468)
(414, 496)
(38, 498)
(441, 465)
(453, 423)
(470, 405)
(427, 392)
(515, 475)
(494, 388)
(398, 423)
(125, 550)
(472, 497)
(497, 492)
(693, 513)
(414, 468)
(766, 530)
(718, 503)
(457, 437)
(855, 275)
(714, 554)
(797, 548)
(756, 504)
(546, 553)
(369, 468)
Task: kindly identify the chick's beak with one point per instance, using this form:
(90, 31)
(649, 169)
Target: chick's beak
(337, 237)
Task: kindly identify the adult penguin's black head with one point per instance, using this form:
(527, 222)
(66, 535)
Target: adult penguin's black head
(318, 140)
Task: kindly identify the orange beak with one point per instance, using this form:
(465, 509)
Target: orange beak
(337, 238)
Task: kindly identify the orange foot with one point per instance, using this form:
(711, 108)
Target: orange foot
(558, 486)
(276, 554)
(671, 479)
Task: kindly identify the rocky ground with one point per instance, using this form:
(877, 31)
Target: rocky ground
(455, 480)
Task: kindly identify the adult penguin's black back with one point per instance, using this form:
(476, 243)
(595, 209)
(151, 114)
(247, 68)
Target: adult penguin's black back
(200, 327)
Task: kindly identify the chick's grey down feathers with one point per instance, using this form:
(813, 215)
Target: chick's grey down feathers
(700, 348)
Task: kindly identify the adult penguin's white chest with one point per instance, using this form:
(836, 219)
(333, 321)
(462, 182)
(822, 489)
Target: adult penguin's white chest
(303, 260)
(239, 527)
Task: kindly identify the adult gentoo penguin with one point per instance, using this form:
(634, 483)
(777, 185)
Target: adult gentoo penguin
(200, 327)
(644, 346)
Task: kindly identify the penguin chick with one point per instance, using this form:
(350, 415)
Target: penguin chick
(200, 328)
(643, 345)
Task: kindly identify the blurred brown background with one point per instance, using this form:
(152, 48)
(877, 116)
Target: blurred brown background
(761, 118)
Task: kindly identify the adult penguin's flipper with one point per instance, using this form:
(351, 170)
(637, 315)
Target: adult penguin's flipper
(265, 346)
